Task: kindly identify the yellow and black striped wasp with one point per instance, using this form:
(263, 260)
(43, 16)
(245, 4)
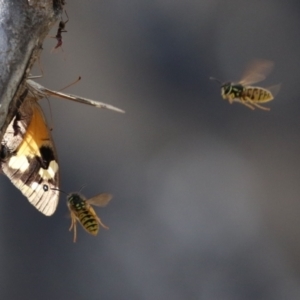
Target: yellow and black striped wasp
(81, 210)
(250, 96)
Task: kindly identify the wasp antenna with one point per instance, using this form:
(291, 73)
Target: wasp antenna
(215, 79)
(82, 187)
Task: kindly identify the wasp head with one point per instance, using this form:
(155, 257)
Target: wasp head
(226, 89)
(75, 198)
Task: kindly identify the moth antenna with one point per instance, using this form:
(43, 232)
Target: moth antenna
(72, 83)
(54, 189)
(35, 76)
(40, 64)
(67, 17)
(215, 79)
(51, 116)
(40, 67)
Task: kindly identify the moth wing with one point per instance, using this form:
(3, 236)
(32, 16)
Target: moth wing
(13, 137)
(100, 200)
(40, 91)
(17, 128)
(256, 71)
(33, 167)
(83, 100)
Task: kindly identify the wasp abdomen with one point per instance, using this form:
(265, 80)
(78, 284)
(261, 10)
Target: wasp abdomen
(258, 94)
(89, 222)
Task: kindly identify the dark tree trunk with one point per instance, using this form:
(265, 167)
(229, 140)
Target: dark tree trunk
(23, 26)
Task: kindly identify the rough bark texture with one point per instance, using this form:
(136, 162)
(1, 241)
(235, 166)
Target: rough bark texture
(23, 26)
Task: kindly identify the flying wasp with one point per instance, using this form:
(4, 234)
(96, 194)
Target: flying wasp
(81, 210)
(250, 96)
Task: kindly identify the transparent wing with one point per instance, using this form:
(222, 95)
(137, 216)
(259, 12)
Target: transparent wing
(256, 71)
(274, 89)
(100, 200)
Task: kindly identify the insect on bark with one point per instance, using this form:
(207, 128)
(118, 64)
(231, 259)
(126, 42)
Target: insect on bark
(60, 30)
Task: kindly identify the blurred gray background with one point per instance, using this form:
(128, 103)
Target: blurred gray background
(206, 194)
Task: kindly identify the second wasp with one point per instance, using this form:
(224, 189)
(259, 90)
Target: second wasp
(243, 92)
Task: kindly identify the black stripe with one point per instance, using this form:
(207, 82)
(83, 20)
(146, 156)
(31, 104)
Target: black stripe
(89, 222)
(92, 228)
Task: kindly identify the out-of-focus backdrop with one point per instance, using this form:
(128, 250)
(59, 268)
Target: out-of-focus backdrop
(206, 194)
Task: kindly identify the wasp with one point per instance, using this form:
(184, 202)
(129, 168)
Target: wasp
(81, 210)
(243, 92)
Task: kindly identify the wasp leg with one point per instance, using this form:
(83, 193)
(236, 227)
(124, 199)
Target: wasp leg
(73, 225)
(248, 105)
(231, 98)
(257, 105)
(243, 101)
(75, 233)
(72, 222)
(262, 107)
(99, 221)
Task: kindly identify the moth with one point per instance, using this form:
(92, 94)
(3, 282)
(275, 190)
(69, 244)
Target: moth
(28, 155)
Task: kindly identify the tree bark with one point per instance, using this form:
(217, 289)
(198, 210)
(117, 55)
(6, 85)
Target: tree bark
(24, 24)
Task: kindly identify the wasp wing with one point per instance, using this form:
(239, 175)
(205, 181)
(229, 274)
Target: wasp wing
(256, 71)
(100, 200)
(274, 89)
